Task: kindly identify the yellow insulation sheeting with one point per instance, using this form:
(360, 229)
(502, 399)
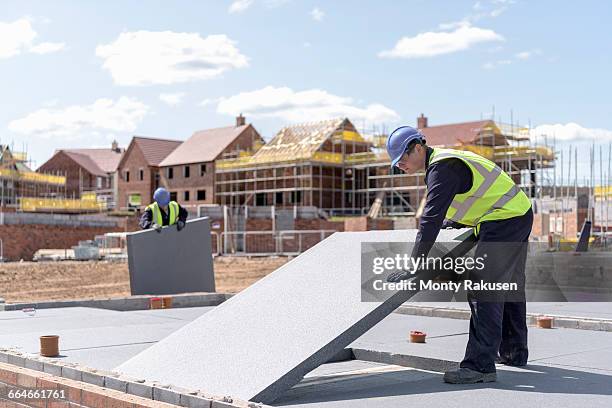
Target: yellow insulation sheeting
(32, 204)
(33, 177)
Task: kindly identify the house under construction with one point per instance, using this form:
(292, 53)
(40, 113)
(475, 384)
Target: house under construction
(18, 181)
(330, 165)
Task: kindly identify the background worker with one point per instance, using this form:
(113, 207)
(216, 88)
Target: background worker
(163, 212)
(469, 190)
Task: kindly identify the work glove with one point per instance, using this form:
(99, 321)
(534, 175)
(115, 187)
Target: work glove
(157, 227)
(180, 225)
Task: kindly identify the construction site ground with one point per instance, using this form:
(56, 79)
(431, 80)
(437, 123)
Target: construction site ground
(35, 281)
(567, 367)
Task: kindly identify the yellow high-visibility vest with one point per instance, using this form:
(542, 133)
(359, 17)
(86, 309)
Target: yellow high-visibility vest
(173, 208)
(493, 195)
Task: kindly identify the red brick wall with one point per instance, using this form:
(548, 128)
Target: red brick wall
(133, 161)
(193, 183)
(22, 241)
(76, 394)
(62, 163)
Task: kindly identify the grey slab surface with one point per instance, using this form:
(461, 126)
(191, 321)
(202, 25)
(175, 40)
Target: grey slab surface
(171, 261)
(266, 338)
(97, 338)
(447, 338)
(355, 384)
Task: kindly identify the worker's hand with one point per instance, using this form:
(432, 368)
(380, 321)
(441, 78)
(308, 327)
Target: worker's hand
(157, 227)
(180, 225)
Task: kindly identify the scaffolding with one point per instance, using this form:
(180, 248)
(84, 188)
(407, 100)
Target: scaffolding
(17, 180)
(330, 165)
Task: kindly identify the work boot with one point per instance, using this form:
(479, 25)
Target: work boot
(468, 376)
(511, 363)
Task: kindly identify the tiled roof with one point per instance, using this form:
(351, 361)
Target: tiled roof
(456, 133)
(85, 162)
(155, 150)
(204, 146)
(105, 159)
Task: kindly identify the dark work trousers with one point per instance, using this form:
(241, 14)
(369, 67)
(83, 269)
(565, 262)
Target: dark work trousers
(499, 326)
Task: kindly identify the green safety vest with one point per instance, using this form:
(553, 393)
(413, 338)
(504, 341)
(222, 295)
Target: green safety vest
(493, 196)
(173, 208)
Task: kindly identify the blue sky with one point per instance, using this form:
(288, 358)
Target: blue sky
(79, 74)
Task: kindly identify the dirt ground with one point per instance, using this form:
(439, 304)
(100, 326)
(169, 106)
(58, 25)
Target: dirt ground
(35, 281)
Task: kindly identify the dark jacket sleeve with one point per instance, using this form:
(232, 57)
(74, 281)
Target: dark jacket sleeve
(183, 213)
(146, 219)
(444, 180)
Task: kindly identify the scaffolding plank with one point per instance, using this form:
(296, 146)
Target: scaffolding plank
(171, 261)
(265, 339)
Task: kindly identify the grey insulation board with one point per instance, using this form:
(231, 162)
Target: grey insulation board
(263, 340)
(171, 261)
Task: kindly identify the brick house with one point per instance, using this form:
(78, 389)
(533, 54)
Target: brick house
(189, 171)
(138, 170)
(87, 170)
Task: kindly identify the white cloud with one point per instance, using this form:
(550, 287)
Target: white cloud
(520, 56)
(524, 55)
(122, 115)
(18, 37)
(301, 106)
(572, 132)
(47, 48)
(167, 57)
(317, 14)
(238, 6)
(431, 43)
(172, 99)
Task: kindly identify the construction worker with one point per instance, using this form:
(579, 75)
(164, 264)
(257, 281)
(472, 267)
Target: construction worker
(465, 189)
(163, 212)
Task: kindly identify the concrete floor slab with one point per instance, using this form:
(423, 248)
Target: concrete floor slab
(341, 385)
(264, 339)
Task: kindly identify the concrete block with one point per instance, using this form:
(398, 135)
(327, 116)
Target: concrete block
(72, 373)
(92, 377)
(194, 401)
(16, 359)
(33, 364)
(52, 368)
(222, 404)
(606, 325)
(565, 322)
(585, 324)
(140, 388)
(4, 357)
(266, 338)
(115, 383)
(166, 394)
(171, 262)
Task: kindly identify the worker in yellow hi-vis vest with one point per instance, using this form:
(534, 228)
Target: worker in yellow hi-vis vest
(467, 190)
(163, 212)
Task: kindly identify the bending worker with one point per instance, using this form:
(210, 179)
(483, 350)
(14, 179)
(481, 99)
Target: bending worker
(468, 190)
(163, 212)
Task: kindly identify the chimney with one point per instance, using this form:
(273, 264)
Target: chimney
(240, 120)
(422, 122)
(115, 146)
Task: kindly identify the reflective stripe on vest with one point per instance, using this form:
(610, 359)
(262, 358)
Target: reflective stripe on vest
(173, 209)
(492, 196)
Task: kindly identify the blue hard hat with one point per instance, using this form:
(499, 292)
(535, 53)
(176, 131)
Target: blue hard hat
(161, 196)
(398, 141)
